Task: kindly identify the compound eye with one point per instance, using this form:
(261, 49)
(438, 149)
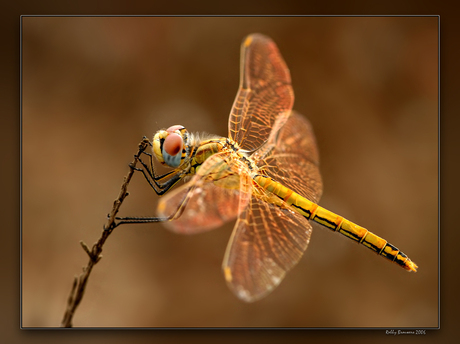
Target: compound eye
(173, 144)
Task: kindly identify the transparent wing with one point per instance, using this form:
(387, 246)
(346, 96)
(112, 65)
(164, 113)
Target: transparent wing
(267, 241)
(292, 158)
(217, 193)
(265, 96)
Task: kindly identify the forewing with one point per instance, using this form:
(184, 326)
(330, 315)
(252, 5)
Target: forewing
(265, 96)
(292, 158)
(267, 241)
(216, 194)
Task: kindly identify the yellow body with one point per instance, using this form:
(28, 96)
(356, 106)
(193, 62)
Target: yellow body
(277, 192)
(334, 222)
(301, 205)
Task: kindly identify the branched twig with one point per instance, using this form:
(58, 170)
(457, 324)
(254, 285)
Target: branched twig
(79, 284)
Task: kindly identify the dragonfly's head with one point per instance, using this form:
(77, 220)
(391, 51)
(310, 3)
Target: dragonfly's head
(170, 145)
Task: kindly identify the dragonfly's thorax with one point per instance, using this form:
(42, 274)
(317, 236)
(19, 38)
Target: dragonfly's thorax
(203, 149)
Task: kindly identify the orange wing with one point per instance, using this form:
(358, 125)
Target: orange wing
(265, 96)
(292, 158)
(267, 241)
(216, 194)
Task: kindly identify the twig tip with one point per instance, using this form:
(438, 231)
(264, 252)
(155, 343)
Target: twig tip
(85, 247)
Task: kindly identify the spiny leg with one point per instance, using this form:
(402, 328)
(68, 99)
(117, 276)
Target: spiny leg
(161, 188)
(174, 215)
(162, 183)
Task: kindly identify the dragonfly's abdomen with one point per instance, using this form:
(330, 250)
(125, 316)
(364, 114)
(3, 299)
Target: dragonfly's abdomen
(334, 222)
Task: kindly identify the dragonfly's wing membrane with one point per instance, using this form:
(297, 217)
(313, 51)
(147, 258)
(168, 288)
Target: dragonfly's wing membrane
(267, 241)
(215, 194)
(292, 158)
(265, 96)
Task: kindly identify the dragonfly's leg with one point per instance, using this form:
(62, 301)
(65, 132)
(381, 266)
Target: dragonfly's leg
(151, 171)
(123, 220)
(160, 184)
(151, 162)
(161, 188)
(172, 216)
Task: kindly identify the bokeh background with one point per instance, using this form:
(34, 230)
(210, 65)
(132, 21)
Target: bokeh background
(93, 86)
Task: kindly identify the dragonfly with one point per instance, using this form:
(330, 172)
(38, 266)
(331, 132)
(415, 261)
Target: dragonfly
(265, 175)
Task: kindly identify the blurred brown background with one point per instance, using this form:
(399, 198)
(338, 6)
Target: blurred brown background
(92, 87)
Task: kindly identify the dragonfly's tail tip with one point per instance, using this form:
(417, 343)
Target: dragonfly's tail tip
(411, 266)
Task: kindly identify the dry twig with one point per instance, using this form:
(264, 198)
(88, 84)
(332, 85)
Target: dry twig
(79, 283)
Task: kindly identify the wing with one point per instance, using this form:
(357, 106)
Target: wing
(217, 193)
(292, 158)
(267, 241)
(265, 96)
